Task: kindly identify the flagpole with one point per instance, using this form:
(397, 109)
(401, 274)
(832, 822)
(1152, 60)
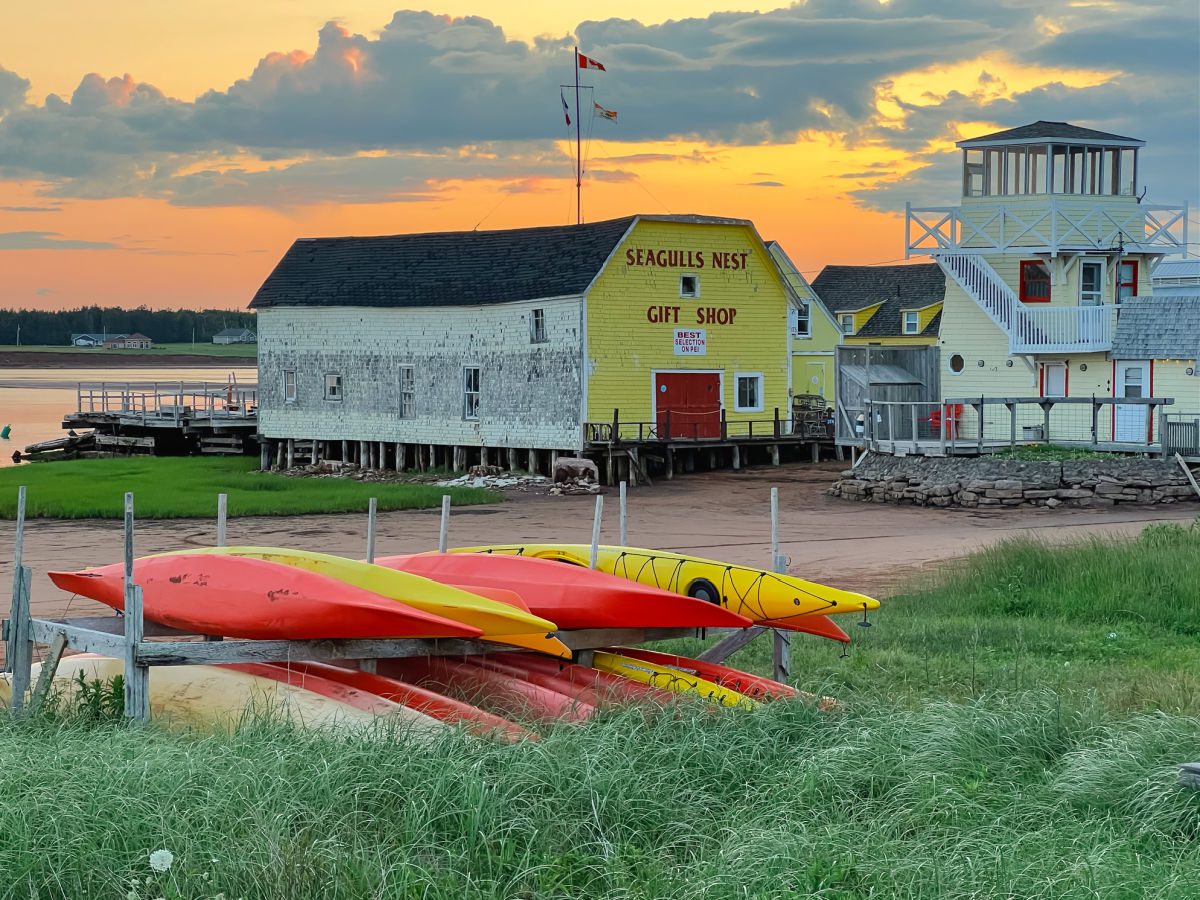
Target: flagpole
(578, 155)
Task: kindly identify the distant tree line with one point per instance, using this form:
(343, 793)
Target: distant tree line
(163, 326)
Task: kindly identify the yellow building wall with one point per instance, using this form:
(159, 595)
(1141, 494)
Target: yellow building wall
(863, 316)
(924, 316)
(625, 348)
(813, 356)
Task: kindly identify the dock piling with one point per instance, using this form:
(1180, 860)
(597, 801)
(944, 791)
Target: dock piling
(594, 554)
(782, 650)
(624, 511)
(222, 509)
(372, 507)
(444, 528)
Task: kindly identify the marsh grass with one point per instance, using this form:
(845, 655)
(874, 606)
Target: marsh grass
(187, 487)
(969, 760)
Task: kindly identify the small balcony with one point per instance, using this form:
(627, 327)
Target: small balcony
(1062, 329)
(1045, 224)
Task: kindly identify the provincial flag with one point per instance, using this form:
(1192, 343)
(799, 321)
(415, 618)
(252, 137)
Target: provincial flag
(602, 113)
(566, 109)
(586, 62)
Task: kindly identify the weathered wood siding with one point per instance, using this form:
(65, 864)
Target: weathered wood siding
(530, 393)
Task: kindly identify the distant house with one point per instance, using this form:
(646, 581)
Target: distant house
(94, 340)
(892, 305)
(1176, 278)
(235, 336)
(135, 341)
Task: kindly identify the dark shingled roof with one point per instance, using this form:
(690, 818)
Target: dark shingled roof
(462, 268)
(849, 288)
(1049, 131)
(1166, 327)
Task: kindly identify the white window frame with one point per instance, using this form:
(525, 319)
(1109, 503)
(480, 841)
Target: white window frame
(1057, 365)
(737, 399)
(537, 326)
(338, 388)
(471, 409)
(799, 314)
(406, 392)
(916, 321)
(845, 319)
(290, 390)
(695, 294)
(1099, 292)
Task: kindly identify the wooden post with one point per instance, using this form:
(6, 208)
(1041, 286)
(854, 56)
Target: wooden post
(1046, 407)
(264, 456)
(512, 459)
(533, 462)
(345, 452)
(372, 508)
(19, 656)
(775, 454)
(382, 455)
(315, 456)
(18, 550)
(222, 509)
(1012, 425)
(816, 452)
(724, 426)
(49, 668)
(914, 427)
(1188, 472)
(624, 512)
(616, 426)
(610, 474)
(279, 454)
(782, 650)
(670, 463)
(777, 421)
(737, 457)
(137, 676)
(444, 528)
(594, 554)
(401, 462)
(1162, 431)
(291, 452)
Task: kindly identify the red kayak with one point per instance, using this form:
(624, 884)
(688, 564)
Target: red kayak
(821, 626)
(506, 694)
(571, 596)
(608, 688)
(435, 705)
(249, 598)
(754, 686)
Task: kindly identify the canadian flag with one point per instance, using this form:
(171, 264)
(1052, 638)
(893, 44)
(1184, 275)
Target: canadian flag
(586, 62)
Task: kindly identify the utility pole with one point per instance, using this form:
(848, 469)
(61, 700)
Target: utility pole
(578, 144)
(18, 334)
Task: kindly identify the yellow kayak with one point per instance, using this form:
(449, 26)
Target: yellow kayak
(668, 679)
(499, 621)
(754, 593)
(221, 697)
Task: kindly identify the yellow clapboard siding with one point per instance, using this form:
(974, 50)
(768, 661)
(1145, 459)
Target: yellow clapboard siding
(625, 348)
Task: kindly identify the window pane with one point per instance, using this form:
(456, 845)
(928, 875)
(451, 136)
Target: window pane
(1015, 177)
(1037, 170)
(972, 173)
(1060, 179)
(1075, 182)
(995, 172)
(1126, 183)
(1035, 281)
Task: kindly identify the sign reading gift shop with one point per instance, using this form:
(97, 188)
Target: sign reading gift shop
(691, 342)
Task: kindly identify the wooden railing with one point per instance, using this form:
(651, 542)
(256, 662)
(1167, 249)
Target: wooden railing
(1055, 224)
(171, 401)
(980, 424)
(671, 426)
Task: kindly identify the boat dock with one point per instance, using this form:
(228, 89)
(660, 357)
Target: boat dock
(175, 418)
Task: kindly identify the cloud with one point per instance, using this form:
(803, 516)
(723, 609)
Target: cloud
(45, 292)
(426, 89)
(48, 240)
(30, 209)
(765, 184)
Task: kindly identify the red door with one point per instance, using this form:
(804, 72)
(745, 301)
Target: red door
(688, 404)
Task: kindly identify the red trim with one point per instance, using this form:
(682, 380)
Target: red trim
(1024, 291)
(1150, 424)
(1113, 412)
(1066, 379)
(1133, 263)
(1042, 380)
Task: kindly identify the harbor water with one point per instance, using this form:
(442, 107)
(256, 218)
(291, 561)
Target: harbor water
(33, 401)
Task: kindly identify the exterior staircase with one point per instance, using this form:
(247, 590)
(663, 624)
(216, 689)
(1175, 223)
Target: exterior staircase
(1030, 329)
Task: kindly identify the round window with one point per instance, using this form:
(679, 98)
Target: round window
(956, 363)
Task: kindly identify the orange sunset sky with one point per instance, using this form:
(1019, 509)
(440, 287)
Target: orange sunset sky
(167, 154)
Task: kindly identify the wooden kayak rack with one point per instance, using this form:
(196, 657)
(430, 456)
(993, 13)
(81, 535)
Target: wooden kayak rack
(124, 636)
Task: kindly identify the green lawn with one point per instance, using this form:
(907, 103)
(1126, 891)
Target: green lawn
(187, 487)
(1010, 731)
(198, 349)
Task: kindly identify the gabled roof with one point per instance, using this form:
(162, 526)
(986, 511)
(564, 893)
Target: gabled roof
(1052, 131)
(851, 288)
(1158, 327)
(462, 268)
(1176, 268)
(788, 270)
(233, 332)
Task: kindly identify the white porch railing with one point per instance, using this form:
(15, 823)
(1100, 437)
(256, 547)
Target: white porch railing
(1054, 225)
(1030, 329)
(1065, 329)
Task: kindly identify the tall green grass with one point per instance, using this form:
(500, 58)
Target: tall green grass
(993, 741)
(187, 487)
(1012, 797)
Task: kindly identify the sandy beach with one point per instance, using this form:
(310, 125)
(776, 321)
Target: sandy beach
(871, 548)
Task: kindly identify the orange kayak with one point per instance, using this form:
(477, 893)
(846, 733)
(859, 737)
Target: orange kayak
(250, 598)
(435, 705)
(608, 689)
(500, 692)
(570, 596)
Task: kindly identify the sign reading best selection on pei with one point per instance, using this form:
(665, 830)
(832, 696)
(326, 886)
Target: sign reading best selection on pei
(688, 341)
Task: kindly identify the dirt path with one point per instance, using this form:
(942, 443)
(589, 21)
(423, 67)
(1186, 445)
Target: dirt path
(866, 547)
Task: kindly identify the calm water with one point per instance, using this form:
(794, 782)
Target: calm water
(34, 401)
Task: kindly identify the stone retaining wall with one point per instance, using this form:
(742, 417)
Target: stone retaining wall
(984, 482)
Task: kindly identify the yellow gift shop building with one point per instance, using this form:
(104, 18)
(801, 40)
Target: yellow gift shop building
(451, 348)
